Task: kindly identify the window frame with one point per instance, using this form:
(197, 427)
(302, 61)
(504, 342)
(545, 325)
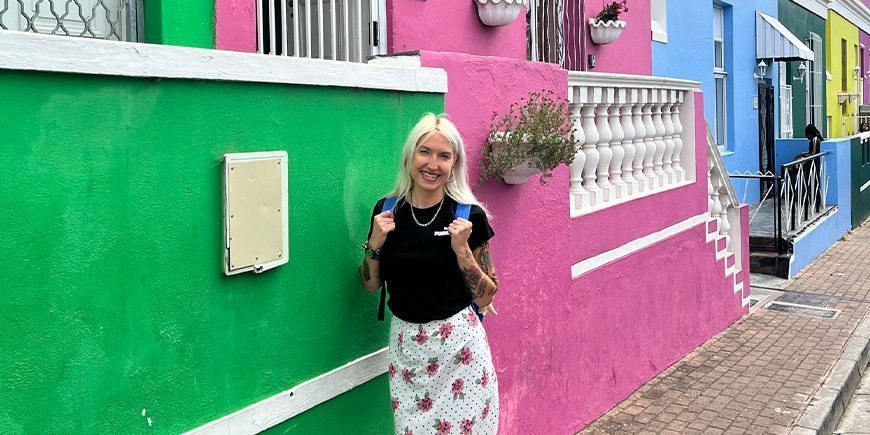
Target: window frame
(720, 131)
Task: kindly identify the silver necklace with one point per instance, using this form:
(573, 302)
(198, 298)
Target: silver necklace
(433, 217)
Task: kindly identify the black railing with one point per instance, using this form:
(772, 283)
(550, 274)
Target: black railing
(803, 188)
(774, 182)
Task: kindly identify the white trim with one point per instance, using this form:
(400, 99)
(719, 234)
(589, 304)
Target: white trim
(583, 78)
(865, 186)
(283, 406)
(854, 11)
(818, 7)
(36, 52)
(577, 212)
(635, 245)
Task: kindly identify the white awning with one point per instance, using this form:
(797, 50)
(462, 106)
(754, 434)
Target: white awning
(773, 40)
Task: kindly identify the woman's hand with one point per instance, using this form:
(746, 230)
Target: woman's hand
(382, 224)
(460, 231)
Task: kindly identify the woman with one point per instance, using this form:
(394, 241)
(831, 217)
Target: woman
(441, 374)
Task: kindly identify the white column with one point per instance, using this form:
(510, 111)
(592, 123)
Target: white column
(713, 192)
(658, 163)
(604, 151)
(628, 141)
(668, 138)
(649, 143)
(616, 143)
(678, 137)
(590, 146)
(579, 195)
(639, 137)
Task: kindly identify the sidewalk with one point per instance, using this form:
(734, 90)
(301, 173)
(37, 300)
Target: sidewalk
(761, 374)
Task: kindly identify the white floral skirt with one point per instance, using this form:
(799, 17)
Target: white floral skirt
(441, 377)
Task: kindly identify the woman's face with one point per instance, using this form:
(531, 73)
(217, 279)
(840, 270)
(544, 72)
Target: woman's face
(433, 160)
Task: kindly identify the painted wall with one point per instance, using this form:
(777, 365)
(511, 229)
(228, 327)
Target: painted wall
(842, 116)
(189, 23)
(574, 348)
(801, 22)
(864, 39)
(689, 55)
(451, 25)
(236, 25)
(631, 53)
(118, 302)
(810, 245)
(860, 178)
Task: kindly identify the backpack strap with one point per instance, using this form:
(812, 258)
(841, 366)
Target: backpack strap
(389, 204)
(463, 211)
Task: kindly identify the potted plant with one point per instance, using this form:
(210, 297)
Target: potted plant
(607, 26)
(496, 13)
(534, 136)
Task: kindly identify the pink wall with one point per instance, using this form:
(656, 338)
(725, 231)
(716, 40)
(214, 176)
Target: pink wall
(567, 350)
(632, 52)
(451, 25)
(236, 25)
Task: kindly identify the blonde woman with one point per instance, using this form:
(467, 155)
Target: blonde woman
(435, 265)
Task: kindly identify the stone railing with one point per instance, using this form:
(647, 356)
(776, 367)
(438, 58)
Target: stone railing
(635, 137)
(722, 201)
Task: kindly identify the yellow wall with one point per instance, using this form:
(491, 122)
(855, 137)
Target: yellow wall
(841, 116)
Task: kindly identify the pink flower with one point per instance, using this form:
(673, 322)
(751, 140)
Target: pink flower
(392, 370)
(424, 404)
(471, 318)
(422, 337)
(399, 340)
(484, 379)
(395, 401)
(408, 432)
(445, 330)
(458, 386)
(407, 375)
(432, 368)
(466, 426)
(442, 427)
(464, 356)
(485, 412)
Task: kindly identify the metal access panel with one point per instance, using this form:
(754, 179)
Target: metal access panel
(256, 227)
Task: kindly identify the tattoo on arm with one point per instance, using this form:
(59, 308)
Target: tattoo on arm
(365, 272)
(475, 280)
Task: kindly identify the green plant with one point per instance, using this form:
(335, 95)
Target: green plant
(537, 130)
(612, 10)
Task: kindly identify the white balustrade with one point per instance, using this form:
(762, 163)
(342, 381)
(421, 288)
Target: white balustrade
(630, 137)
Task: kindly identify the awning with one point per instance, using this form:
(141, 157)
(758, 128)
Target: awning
(773, 40)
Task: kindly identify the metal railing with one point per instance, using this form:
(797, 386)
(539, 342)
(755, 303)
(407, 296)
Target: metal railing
(554, 29)
(344, 30)
(119, 20)
(804, 188)
(774, 186)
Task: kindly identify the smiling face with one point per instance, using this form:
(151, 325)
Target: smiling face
(432, 162)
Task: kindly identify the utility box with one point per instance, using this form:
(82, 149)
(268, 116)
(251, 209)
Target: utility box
(256, 229)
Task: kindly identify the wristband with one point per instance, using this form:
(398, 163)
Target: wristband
(371, 253)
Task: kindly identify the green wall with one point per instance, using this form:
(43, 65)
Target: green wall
(801, 22)
(113, 297)
(860, 177)
(188, 23)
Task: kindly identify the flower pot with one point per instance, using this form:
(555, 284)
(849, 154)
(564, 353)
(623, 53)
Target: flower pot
(605, 32)
(521, 173)
(497, 13)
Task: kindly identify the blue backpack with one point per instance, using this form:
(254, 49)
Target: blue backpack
(462, 211)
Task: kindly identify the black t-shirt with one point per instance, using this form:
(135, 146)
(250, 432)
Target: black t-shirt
(419, 266)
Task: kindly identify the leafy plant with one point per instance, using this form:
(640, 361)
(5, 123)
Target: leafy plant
(537, 130)
(612, 10)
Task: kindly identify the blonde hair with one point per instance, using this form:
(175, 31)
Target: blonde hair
(457, 189)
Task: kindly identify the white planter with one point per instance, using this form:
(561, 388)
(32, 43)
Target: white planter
(521, 174)
(605, 32)
(497, 13)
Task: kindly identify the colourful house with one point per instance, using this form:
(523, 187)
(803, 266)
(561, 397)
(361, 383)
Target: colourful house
(123, 319)
(843, 60)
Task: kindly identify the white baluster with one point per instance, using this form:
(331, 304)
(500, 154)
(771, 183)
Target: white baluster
(590, 146)
(639, 136)
(604, 151)
(678, 138)
(713, 191)
(659, 134)
(579, 195)
(628, 141)
(725, 200)
(710, 204)
(616, 143)
(667, 120)
(649, 143)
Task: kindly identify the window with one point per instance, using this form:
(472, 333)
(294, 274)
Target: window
(844, 66)
(815, 87)
(786, 127)
(659, 20)
(720, 122)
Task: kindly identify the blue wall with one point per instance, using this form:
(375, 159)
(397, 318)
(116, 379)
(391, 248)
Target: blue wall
(810, 245)
(689, 55)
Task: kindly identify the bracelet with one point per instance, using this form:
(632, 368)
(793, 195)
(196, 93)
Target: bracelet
(371, 253)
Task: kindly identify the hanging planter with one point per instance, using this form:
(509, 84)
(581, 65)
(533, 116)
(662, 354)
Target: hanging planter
(607, 26)
(605, 32)
(496, 13)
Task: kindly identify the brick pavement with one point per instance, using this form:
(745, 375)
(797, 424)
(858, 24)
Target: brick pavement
(758, 375)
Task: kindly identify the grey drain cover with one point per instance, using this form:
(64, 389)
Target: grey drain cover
(822, 313)
(804, 299)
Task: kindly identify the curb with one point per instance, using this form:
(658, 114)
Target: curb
(830, 401)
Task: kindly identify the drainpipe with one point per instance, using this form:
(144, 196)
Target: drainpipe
(584, 66)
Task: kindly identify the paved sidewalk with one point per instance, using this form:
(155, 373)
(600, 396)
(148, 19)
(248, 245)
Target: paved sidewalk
(760, 374)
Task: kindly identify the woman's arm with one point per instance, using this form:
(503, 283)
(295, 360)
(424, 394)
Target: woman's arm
(370, 274)
(479, 273)
(370, 268)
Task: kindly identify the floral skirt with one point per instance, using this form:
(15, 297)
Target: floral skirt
(441, 377)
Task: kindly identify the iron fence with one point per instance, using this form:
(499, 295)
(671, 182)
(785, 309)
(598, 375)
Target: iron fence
(804, 189)
(119, 20)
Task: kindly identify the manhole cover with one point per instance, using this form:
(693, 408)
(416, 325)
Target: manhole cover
(822, 313)
(804, 299)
